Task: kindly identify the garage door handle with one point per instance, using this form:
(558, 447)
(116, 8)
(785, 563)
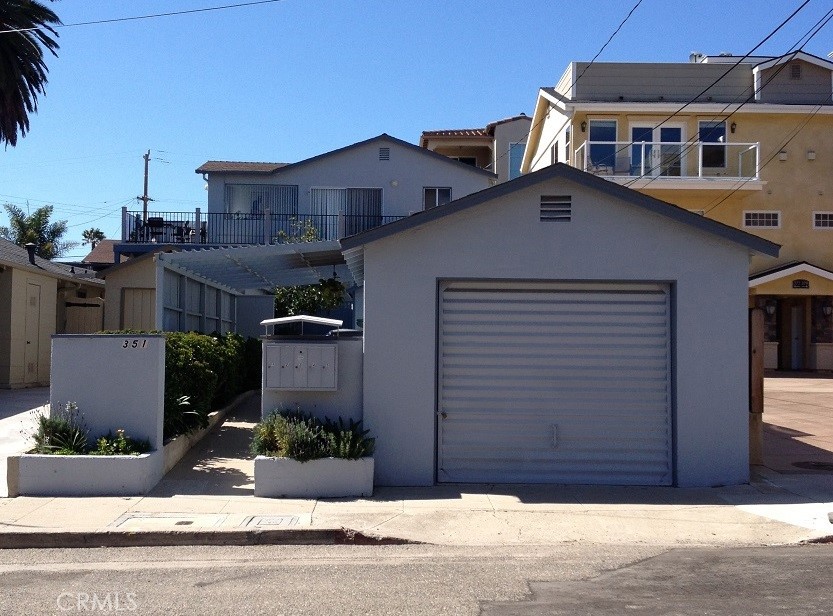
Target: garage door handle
(443, 414)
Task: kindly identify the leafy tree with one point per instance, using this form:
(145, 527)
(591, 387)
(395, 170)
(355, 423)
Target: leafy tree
(92, 236)
(36, 228)
(22, 67)
(309, 298)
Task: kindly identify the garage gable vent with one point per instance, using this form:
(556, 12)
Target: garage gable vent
(384, 153)
(556, 208)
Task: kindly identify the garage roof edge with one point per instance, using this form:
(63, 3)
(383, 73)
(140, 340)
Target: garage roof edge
(752, 242)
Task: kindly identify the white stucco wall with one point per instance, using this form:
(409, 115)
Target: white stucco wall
(401, 178)
(344, 402)
(606, 241)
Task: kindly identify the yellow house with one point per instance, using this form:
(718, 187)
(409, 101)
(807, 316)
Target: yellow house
(39, 298)
(745, 141)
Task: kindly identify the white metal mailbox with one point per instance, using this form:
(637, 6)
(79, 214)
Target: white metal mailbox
(301, 366)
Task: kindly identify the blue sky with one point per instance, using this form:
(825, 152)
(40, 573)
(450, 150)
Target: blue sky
(285, 81)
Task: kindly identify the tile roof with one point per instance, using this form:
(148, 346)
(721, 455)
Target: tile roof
(102, 253)
(456, 132)
(223, 166)
(18, 256)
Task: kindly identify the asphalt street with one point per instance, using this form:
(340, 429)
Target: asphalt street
(565, 579)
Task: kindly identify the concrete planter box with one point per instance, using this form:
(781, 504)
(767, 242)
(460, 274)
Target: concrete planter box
(322, 478)
(48, 475)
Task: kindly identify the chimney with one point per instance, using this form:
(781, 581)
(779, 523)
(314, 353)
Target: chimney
(30, 248)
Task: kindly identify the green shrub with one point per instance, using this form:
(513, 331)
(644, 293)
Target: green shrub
(62, 432)
(119, 445)
(299, 435)
(349, 441)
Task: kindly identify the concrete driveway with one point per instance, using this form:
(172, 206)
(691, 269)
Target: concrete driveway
(18, 409)
(798, 423)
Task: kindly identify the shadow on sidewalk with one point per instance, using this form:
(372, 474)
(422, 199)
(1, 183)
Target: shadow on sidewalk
(221, 464)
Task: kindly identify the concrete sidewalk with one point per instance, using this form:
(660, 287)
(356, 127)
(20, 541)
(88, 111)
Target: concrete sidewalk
(208, 498)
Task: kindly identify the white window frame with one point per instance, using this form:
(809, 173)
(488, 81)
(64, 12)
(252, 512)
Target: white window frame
(436, 189)
(777, 213)
(829, 214)
(714, 144)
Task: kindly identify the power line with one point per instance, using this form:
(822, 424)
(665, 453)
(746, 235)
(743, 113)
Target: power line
(690, 102)
(598, 53)
(690, 143)
(149, 16)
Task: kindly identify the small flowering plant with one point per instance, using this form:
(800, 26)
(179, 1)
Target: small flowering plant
(63, 432)
(119, 445)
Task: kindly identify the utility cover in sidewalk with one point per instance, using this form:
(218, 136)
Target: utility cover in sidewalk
(156, 521)
(284, 521)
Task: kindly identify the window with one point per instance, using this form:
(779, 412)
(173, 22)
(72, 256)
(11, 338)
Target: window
(279, 199)
(713, 132)
(361, 209)
(554, 153)
(434, 196)
(822, 220)
(556, 208)
(466, 160)
(516, 157)
(567, 146)
(602, 154)
(762, 220)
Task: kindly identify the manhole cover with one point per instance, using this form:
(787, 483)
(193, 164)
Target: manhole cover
(815, 466)
(284, 521)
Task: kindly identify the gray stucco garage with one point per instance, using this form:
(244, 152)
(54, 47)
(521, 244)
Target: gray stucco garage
(557, 328)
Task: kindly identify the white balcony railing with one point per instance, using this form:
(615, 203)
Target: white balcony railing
(680, 160)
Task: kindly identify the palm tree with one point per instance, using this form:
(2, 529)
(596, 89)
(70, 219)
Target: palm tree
(27, 30)
(37, 229)
(92, 237)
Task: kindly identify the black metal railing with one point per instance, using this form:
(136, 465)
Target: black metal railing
(240, 228)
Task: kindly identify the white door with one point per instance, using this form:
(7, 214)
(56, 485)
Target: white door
(554, 383)
(31, 352)
(656, 150)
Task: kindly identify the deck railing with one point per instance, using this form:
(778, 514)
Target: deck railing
(683, 160)
(241, 228)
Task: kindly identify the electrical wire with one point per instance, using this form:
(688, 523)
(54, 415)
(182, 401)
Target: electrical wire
(150, 16)
(690, 143)
(598, 53)
(693, 100)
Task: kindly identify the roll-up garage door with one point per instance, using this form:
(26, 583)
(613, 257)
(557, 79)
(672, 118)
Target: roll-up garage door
(554, 383)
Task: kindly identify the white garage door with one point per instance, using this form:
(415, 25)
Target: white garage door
(554, 383)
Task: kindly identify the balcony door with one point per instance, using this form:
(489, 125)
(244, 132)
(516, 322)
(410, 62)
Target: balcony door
(656, 151)
(360, 207)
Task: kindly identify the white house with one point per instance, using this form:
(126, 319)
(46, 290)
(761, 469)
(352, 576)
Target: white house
(557, 328)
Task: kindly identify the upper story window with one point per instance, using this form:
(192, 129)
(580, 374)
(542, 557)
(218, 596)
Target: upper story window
(466, 160)
(822, 220)
(554, 153)
(280, 199)
(434, 196)
(762, 219)
(516, 157)
(602, 154)
(713, 132)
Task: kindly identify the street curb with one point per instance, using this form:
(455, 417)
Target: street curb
(122, 539)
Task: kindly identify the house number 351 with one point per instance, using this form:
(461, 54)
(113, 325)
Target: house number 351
(134, 344)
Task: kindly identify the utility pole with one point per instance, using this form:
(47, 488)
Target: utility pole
(144, 198)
